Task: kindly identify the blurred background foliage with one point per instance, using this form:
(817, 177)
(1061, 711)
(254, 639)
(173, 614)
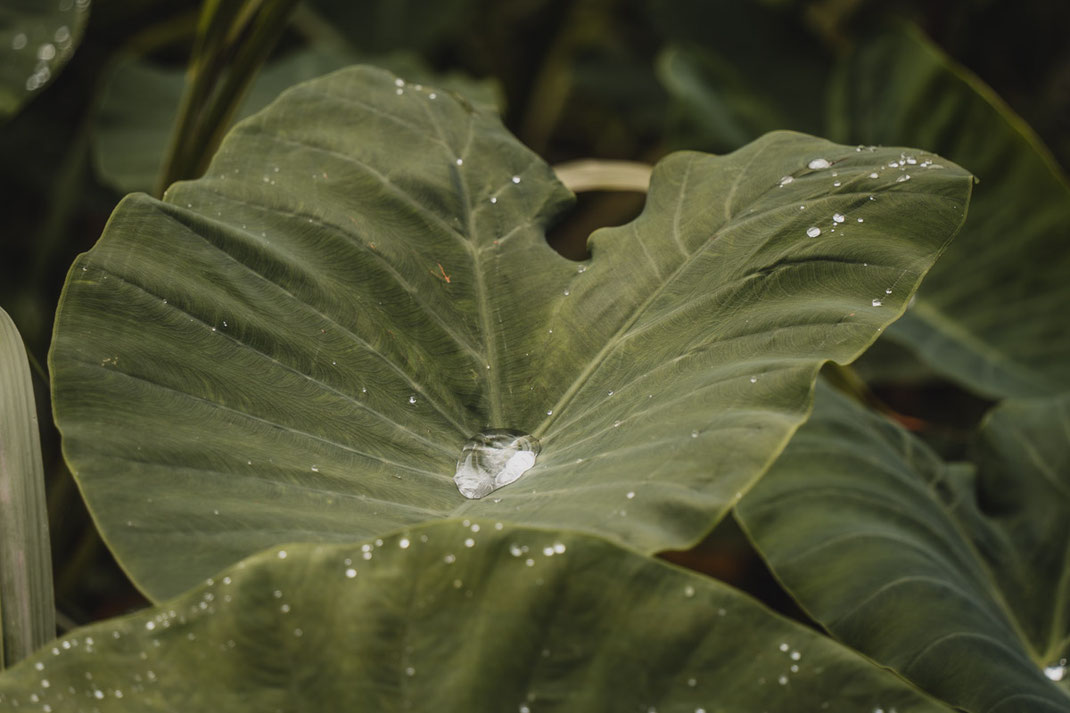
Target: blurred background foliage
(90, 96)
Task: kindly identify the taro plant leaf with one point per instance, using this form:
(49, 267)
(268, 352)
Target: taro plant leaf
(297, 346)
(954, 576)
(36, 40)
(992, 313)
(454, 616)
(133, 123)
(27, 612)
(715, 103)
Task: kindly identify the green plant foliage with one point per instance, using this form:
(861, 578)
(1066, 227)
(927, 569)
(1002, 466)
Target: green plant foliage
(27, 614)
(954, 576)
(36, 40)
(296, 347)
(899, 89)
(137, 112)
(991, 314)
(455, 616)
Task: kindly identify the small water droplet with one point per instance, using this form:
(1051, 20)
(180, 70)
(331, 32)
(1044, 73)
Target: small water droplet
(795, 655)
(630, 494)
(754, 380)
(516, 179)
(694, 434)
(551, 411)
(351, 573)
(784, 647)
(399, 82)
(432, 95)
(403, 543)
(410, 671)
(282, 554)
(783, 680)
(581, 269)
(786, 180)
(874, 175)
(819, 163)
(412, 399)
(691, 682)
(861, 220)
(494, 199)
(813, 231)
(888, 291)
(877, 302)
(838, 217)
(566, 293)
(836, 184)
(904, 177)
(689, 591)
(18, 42)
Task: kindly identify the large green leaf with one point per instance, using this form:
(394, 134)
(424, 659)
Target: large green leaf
(36, 40)
(27, 611)
(992, 313)
(455, 616)
(297, 346)
(955, 578)
(137, 111)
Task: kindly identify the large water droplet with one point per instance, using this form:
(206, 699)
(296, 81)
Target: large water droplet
(1057, 671)
(813, 231)
(493, 459)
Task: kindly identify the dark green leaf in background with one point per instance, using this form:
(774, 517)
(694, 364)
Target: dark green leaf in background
(992, 314)
(133, 124)
(36, 40)
(296, 347)
(955, 576)
(455, 616)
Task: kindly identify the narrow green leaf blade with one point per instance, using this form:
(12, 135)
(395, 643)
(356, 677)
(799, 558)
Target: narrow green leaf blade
(27, 612)
(955, 579)
(456, 617)
(297, 346)
(992, 313)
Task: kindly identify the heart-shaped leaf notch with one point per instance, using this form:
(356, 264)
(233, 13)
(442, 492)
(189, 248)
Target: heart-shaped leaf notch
(297, 346)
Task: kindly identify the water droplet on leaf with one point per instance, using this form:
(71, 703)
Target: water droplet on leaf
(493, 459)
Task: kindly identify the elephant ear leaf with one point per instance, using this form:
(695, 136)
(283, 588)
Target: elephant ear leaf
(925, 566)
(992, 313)
(297, 346)
(519, 620)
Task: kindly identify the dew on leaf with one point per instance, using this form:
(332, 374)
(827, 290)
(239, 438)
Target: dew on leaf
(493, 459)
(819, 163)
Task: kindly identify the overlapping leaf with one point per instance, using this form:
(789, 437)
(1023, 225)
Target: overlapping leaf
(992, 313)
(295, 347)
(455, 616)
(956, 578)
